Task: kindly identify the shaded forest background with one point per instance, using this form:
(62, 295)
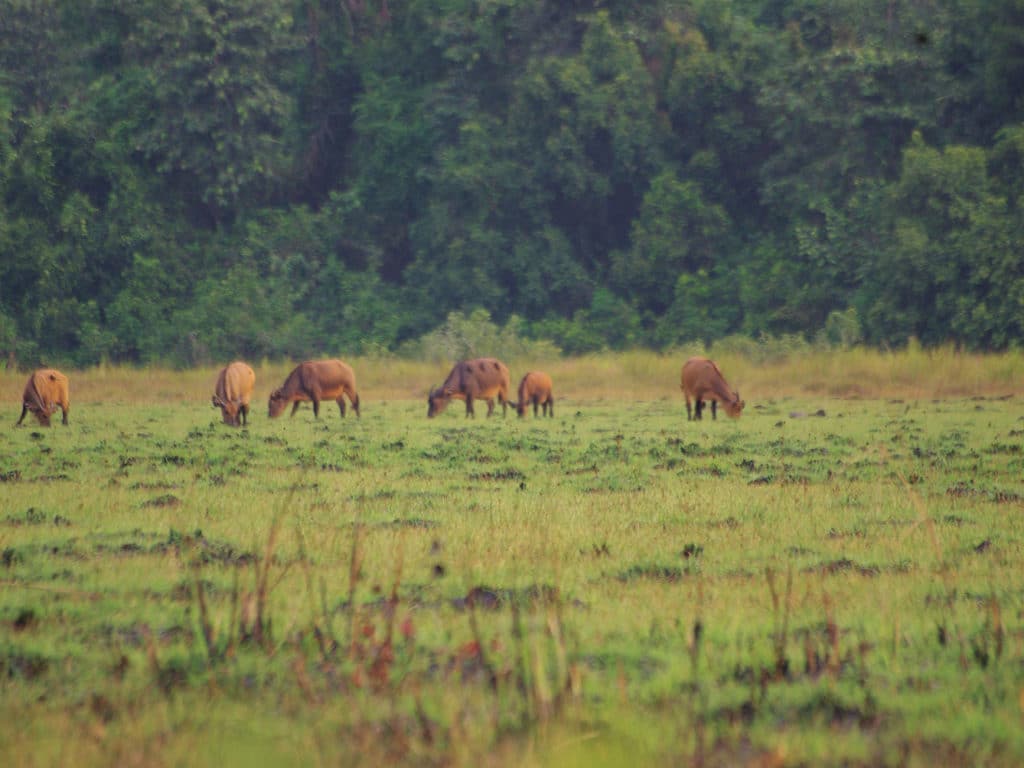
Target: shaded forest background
(192, 180)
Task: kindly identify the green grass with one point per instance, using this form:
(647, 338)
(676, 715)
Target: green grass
(615, 586)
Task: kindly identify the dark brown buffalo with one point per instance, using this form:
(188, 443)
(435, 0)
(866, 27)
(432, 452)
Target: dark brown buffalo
(535, 388)
(233, 392)
(702, 380)
(45, 391)
(313, 381)
(481, 379)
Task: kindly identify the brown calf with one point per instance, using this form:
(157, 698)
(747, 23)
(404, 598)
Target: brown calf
(535, 388)
(702, 380)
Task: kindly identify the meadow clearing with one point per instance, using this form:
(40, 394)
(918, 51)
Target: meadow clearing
(834, 578)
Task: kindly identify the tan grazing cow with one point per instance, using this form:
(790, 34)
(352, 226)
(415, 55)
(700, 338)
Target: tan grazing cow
(702, 380)
(481, 379)
(233, 392)
(45, 391)
(313, 381)
(535, 388)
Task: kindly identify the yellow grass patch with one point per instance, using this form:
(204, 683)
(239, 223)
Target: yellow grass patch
(914, 373)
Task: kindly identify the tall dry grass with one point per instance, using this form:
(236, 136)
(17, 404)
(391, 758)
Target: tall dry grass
(914, 373)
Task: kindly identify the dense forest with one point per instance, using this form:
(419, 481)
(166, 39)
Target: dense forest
(185, 181)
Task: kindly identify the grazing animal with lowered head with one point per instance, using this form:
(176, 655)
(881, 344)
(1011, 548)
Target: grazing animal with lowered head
(45, 391)
(481, 379)
(233, 392)
(702, 380)
(313, 381)
(535, 388)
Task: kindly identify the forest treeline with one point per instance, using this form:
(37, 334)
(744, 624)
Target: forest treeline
(192, 180)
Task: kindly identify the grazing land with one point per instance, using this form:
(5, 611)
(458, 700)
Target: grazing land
(833, 578)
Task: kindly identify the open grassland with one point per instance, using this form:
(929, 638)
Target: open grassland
(614, 586)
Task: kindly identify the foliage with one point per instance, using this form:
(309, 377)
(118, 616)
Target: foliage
(342, 176)
(462, 337)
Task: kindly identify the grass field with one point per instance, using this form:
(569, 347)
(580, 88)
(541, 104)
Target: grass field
(834, 578)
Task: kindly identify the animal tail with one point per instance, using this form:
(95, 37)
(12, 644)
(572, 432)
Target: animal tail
(37, 398)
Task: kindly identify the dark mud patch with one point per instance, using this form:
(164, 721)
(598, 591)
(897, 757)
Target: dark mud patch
(645, 667)
(492, 599)
(499, 475)
(165, 500)
(843, 565)
(592, 469)
(964, 490)
(10, 557)
(381, 495)
(30, 516)
(409, 522)
(26, 619)
(1007, 448)
(161, 486)
(194, 547)
(23, 665)
(203, 550)
(829, 705)
(652, 572)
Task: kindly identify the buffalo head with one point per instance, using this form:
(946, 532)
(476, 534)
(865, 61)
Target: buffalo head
(229, 410)
(437, 401)
(277, 403)
(42, 414)
(734, 408)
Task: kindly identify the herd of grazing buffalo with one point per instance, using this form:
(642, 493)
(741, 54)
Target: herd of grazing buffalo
(483, 378)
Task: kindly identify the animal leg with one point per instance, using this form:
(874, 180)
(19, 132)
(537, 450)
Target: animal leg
(469, 407)
(551, 407)
(316, 407)
(295, 407)
(24, 410)
(244, 412)
(341, 405)
(689, 411)
(714, 409)
(490, 407)
(355, 402)
(698, 409)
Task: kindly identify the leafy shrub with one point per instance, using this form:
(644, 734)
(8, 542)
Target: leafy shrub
(462, 337)
(842, 330)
